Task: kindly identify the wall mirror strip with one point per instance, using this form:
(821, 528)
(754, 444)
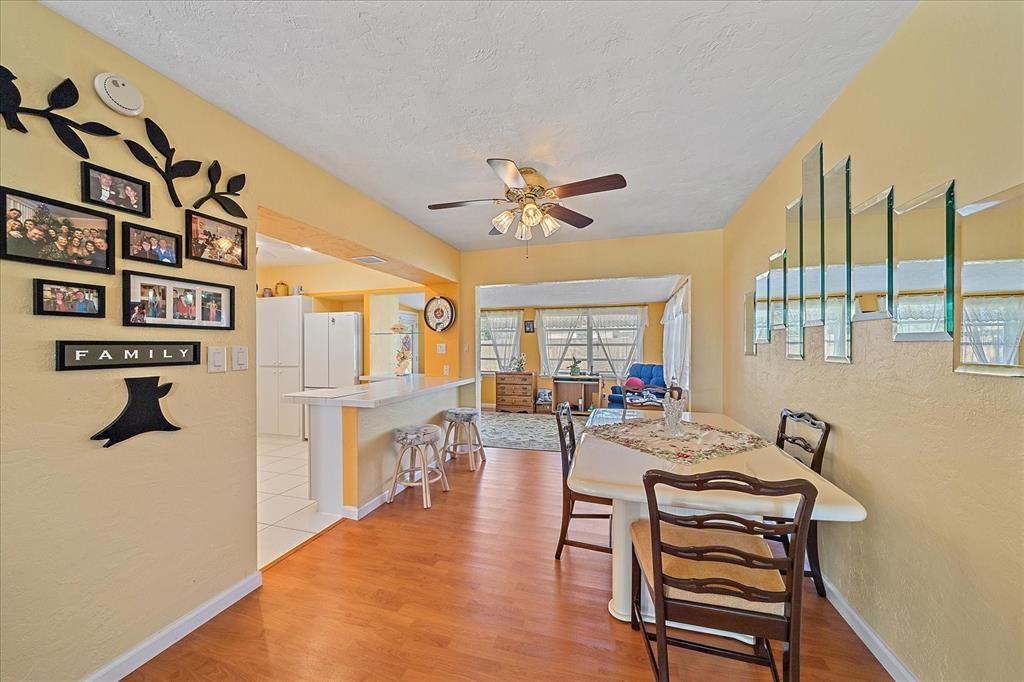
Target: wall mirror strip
(990, 285)
(749, 324)
(836, 232)
(762, 324)
(923, 236)
(871, 257)
(813, 253)
(794, 309)
(777, 289)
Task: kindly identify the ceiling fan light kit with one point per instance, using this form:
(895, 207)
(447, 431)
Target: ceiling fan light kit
(536, 204)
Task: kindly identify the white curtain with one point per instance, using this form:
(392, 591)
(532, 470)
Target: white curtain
(992, 329)
(920, 313)
(557, 332)
(676, 338)
(618, 337)
(502, 327)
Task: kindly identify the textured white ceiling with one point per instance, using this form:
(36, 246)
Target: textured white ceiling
(694, 102)
(578, 292)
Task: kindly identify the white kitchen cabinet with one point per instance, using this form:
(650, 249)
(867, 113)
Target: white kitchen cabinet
(279, 363)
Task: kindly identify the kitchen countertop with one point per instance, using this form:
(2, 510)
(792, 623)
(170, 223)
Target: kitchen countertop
(377, 393)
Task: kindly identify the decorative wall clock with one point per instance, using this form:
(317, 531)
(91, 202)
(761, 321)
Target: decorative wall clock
(439, 313)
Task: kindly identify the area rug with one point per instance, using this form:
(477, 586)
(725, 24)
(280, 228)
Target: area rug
(523, 431)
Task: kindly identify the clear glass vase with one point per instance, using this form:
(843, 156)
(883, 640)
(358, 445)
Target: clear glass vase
(673, 415)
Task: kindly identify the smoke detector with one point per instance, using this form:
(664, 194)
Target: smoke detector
(118, 94)
(369, 260)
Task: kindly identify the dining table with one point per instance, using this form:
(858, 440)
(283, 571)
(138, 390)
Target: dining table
(609, 469)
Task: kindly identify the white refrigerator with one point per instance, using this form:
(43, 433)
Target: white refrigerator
(333, 349)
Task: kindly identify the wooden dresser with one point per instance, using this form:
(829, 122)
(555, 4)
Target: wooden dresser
(515, 391)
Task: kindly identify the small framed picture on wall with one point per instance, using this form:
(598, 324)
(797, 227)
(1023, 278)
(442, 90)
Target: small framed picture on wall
(51, 232)
(528, 327)
(149, 245)
(214, 240)
(114, 190)
(68, 299)
(156, 301)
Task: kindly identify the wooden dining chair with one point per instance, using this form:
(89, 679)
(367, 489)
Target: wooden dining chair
(716, 570)
(816, 450)
(567, 444)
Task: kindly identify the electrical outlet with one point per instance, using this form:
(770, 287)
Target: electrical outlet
(442, 348)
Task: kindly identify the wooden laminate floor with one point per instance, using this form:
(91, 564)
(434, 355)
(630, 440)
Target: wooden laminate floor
(467, 590)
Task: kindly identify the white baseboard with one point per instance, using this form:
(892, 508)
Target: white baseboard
(881, 651)
(134, 658)
(488, 406)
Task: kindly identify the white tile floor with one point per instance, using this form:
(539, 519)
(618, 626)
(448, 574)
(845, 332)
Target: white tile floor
(285, 516)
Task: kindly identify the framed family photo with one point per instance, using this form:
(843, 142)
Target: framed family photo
(68, 299)
(155, 301)
(214, 240)
(149, 245)
(111, 189)
(50, 232)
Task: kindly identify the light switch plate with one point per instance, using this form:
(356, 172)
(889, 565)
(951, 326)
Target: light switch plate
(442, 348)
(446, 370)
(216, 359)
(239, 357)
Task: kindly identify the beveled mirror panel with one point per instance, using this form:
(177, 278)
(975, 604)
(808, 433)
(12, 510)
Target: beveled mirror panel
(794, 281)
(777, 289)
(871, 257)
(990, 306)
(762, 325)
(748, 324)
(836, 242)
(923, 266)
(813, 254)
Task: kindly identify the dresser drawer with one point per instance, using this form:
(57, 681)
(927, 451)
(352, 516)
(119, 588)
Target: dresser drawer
(513, 379)
(515, 390)
(516, 401)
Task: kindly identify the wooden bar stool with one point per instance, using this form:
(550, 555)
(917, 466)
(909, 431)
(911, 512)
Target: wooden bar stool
(462, 436)
(416, 440)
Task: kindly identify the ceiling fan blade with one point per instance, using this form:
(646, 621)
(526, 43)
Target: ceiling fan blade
(456, 204)
(508, 172)
(604, 183)
(567, 215)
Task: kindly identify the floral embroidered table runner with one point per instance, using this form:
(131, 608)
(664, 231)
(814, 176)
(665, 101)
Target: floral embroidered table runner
(697, 442)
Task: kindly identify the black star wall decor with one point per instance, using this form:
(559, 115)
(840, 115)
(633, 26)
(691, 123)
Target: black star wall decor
(234, 186)
(64, 96)
(142, 413)
(170, 171)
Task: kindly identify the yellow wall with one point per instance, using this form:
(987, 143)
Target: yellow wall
(697, 254)
(529, 345)
(104, 547)
(331, 277)
(936, 458)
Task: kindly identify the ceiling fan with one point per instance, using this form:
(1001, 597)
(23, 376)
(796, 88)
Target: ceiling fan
(535, 202)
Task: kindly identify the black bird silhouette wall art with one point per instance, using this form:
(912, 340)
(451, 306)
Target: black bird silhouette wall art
(142, 413)
(170, 171)
(64, 96)
(235, 185)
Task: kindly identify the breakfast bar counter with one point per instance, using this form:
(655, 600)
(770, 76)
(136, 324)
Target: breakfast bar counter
(351, 456)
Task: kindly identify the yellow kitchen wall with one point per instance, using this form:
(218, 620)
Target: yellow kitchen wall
(331, 277)
(102, 548)
(697, 254)
(936, 458)
(529, 345)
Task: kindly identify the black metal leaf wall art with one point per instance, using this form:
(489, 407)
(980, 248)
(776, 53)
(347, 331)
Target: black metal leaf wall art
(235, 185)
(170, 171)
(64, 96)
(141, 414)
